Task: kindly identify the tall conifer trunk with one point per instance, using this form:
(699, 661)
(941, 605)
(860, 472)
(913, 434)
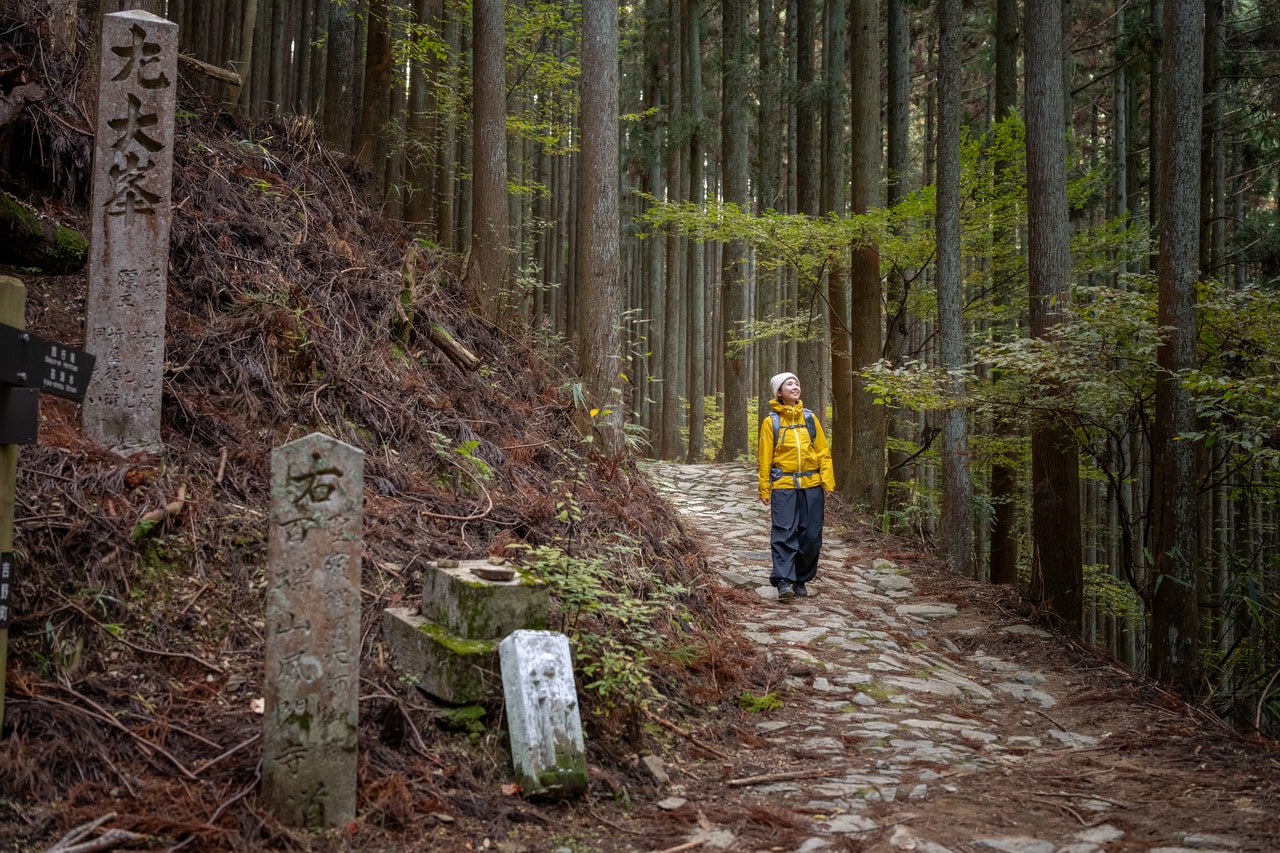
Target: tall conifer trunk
(866, 480)
(1057, 578)
(956, 523)
(1174, 618)
(1004, 474)
(733, 288)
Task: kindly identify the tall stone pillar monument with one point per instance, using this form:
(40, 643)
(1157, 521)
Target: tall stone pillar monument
(129, 230)
(312, 679)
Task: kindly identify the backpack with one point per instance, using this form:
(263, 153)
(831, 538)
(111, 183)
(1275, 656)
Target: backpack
(778, 428)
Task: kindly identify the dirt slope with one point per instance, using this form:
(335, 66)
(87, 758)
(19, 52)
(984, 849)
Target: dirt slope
(135, 656)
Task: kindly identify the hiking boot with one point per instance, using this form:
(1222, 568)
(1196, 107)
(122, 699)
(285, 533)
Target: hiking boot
(801, 590)
(785, 592)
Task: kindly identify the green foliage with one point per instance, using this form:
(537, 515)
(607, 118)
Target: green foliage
(712, 428)
(1110, 595)
(569, 510)
(610, 608)
(542, 70)
(59, 653)
(461, 457)
(468, 718)
(753, 704)
(466, 449)
(1245, 691)
(1236, 390)
(618, 672)
(1097, 372)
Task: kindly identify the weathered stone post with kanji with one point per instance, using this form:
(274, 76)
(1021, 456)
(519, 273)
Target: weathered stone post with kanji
(129, 230)
(312, 677)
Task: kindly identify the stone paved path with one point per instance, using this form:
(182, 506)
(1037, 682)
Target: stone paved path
(899, 714)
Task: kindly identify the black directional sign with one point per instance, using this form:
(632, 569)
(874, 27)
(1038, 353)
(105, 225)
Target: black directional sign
(35, 362)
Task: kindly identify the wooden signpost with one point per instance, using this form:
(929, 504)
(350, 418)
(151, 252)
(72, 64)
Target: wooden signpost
(29, 364)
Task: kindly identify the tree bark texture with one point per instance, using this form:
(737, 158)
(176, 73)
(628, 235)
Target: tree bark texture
(768, 351)
(695, 277)
(808, 309)
(735, 310)
(672, 376)
(599, 254)
(834, 200)
(655, 29)
(339, 87)
(488, 266)
(898, 154)
(1057, 574)
(422, 147)
(1174, 617)
(867, 474)
(370, 146)
(1004, 475)
(956, 523)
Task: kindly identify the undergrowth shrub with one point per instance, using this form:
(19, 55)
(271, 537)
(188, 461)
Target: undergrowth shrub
(610, 607)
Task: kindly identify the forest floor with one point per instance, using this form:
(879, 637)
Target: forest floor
(843, 721)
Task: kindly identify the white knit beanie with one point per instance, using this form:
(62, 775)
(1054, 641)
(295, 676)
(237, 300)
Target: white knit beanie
(776, 382)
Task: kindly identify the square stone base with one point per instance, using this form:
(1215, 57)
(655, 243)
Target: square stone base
(450, 668)
(465, 603)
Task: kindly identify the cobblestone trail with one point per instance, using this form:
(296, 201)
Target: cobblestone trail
(899, 713)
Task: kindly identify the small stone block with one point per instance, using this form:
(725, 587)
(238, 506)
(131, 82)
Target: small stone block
(450, 668)
(473, 608)
(542, 707)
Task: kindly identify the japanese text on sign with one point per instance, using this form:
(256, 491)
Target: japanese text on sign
(6, 584)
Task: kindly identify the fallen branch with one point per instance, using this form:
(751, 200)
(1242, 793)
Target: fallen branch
(1063, 807)
(1081, 796)
(143, 649)
(170, 509)
(230, 752)
(108, 840)
(71, 842)
(1051, 719)
(113, 722)
(687, 846)
(689, 736)
(776, 777)
(81, 831)
(209, 70)
(454, 351)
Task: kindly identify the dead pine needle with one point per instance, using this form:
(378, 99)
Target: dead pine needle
(689, 736)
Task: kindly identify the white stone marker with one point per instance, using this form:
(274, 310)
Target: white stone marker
(312, 671)
(129, 230)
(542, 712)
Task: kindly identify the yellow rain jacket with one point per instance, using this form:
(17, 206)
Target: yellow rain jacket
(791, 452)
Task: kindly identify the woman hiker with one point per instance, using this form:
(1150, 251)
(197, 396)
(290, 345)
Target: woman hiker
(795, 474)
